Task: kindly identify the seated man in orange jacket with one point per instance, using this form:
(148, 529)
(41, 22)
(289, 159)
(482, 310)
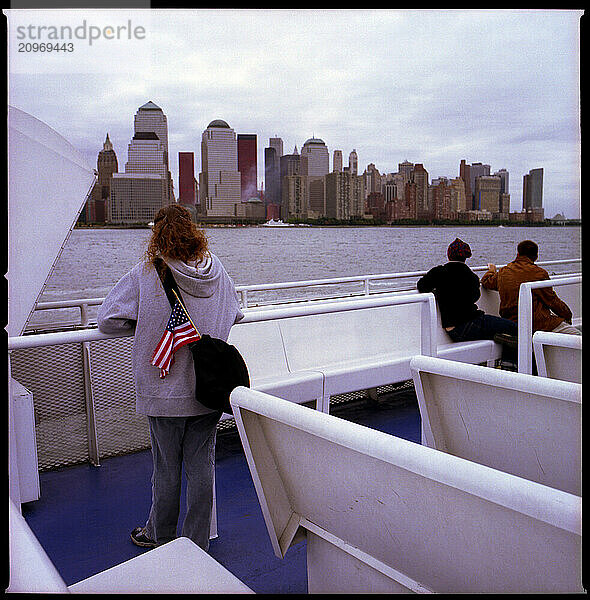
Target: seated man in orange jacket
(549, 312)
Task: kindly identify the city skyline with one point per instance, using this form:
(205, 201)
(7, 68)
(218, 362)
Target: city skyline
(432, 87)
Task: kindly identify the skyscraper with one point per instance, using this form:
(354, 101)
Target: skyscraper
(277, 144)
(186, 178)
(248, 165)
(353, 162)
(532, 194)
(146, 185)
(151, 118)
(345, 195)
(337, 168)
(477, 170)
(315, 164)
(465, 175)
(97, 206)
(219, 180)
(272, 171)
(315, 159)
(487, 193)
(290, 165)
(419, 176)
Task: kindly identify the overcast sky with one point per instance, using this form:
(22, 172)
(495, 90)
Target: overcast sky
(434, 87)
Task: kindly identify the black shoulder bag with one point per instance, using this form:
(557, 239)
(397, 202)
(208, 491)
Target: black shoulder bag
(219, 366)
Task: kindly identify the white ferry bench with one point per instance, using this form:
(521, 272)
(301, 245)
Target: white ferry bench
(179, 566)
(558, 355)
(522, 424)
(474, 351)
(261, 345)
(382, 514)
(363, 348)
(568, 288)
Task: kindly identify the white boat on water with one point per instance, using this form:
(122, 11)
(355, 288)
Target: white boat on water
(279, 223)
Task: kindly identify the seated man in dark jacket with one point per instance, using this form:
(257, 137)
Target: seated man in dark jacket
(456, 289)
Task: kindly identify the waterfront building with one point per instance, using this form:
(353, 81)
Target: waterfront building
(465, 175)
(390, 191)
(353, 162)
(504, 180)
(187, 188)
(148, 150)
(294, 189)
(289, 164)
(440, 193)
(487, 193)
(220, 180)
(337, 161)
(376, 206)
(419, 176)
(458, 197)
(372, 179)
(248, 165)
(505, 205)
(405, 169)
(97, 206)
(314, 165)
(345, 195)
(151, 118)
(477, 170)
(272, 171)
(315, 158)
(146, 185)
(469, 173)
(532, 195)
(137, 197)
(277, 144)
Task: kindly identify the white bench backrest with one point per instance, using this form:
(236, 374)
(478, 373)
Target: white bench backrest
(558, 355)
(521, 424)
(31, 570)
(261, 345)
(400, 511)
(569, 289)
(333, 337)
(572, 295)
(489, 302)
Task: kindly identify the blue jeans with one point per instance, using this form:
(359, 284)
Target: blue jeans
(483, 327)
(177, 441)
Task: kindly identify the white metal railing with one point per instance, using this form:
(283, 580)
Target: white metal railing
(428, 324)
(244, 290)
(93, 334)
(525, 317)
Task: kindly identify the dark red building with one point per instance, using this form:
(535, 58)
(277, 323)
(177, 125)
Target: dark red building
(186, 178)
(248, 165)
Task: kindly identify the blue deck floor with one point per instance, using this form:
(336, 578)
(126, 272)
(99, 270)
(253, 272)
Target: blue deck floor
(85, 513)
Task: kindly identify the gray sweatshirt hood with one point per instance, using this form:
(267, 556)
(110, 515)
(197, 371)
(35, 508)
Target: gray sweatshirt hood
(201, 280)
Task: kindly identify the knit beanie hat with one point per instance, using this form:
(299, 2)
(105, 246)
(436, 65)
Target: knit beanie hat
(458, 250)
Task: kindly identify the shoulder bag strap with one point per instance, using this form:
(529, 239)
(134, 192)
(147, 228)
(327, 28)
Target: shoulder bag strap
(167, 280)
(169, 284)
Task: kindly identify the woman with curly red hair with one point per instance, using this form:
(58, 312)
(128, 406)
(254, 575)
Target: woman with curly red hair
(182, 430)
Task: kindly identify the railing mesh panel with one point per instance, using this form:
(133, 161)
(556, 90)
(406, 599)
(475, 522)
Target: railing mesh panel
(120, 429)
(55, 376)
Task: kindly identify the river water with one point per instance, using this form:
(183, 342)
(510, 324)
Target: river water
(93, 260)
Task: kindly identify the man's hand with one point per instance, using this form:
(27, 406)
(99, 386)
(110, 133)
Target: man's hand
(491, 268)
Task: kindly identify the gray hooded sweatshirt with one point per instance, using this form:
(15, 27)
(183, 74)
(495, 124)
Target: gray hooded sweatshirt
(138, 301)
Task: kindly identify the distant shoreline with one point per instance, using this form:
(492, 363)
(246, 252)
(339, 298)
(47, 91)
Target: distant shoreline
(565, 223)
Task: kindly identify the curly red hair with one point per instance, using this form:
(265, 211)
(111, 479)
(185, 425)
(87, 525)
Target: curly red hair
(174, 235)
